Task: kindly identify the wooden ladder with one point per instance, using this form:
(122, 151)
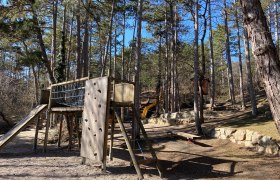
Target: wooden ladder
(128, 141)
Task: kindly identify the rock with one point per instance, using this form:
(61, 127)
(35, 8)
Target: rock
(265, 141)
(229, 132)
(232, 139)
(260, 149)
(186, 114)
(249, 135)
(167, 115)
(272, 149)
(192, 113)
(153, 120)
(222, 130)
(248, 144)
(239, 135)
(240, 142)
(174, 115)
(216, 134)
(223, 136)
(256, 138)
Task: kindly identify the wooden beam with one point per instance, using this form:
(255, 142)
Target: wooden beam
(130, 150)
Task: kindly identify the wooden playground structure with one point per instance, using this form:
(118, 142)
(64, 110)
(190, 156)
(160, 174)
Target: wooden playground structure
(96, 101)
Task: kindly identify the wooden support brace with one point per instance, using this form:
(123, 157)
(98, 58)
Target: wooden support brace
(132, 155)
(36, 134)
(112, 139)
(149, 145)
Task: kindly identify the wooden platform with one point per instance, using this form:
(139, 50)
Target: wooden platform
(21, 125)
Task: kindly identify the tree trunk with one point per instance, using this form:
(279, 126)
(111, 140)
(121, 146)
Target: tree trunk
(172, 63)
(36, 85)
(196, 59)
(137, 67)
(265, 53)
(109, 37)
(159, 75)
(166, 63)
(249, 74)
(242, 100)
(53, 48)
(85, 47)
(69, 51)
(123, 41)
(213, 89)
(276, 27)
(78, 49)
(42, 46)
(201, 100)
(228, 57)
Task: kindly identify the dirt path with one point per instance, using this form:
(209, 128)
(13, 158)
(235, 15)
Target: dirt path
(180, 159)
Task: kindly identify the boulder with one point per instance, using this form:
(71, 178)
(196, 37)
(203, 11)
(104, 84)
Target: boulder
(248, 144)
(229, 132)
(256, 138)
(249, 135)
(239, 135)
(272, 149)
(216, 133)
(265, 141)
(223, 136)
(232, 139)
(260, 149)
(174, 115)
(222, 130)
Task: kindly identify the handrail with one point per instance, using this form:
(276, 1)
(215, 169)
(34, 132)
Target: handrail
(70, 82)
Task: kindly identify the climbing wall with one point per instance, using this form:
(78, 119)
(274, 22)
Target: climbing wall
(94, 125)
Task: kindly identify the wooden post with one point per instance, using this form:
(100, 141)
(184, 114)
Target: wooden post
(77, 129)
(69, 119)
(36, 134)
(47, 131)
(60, 130)
(112, 139)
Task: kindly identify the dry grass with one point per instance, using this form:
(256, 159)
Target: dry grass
(262, 123)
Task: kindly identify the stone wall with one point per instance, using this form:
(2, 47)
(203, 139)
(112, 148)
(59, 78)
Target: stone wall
(254, 140)
(178, 118)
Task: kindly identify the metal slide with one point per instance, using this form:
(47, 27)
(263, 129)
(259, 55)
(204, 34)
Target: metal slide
(21, 125)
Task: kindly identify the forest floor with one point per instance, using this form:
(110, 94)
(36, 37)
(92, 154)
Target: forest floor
(179, 159)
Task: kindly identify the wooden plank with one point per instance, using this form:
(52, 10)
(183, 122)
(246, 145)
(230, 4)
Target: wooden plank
(21, 125)
(124, 93)
(185, 135)
(94, 119)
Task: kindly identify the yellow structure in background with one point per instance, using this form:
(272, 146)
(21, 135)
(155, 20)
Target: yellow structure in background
(146, 109)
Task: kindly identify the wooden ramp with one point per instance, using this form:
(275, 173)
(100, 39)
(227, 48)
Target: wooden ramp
(21, 125)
